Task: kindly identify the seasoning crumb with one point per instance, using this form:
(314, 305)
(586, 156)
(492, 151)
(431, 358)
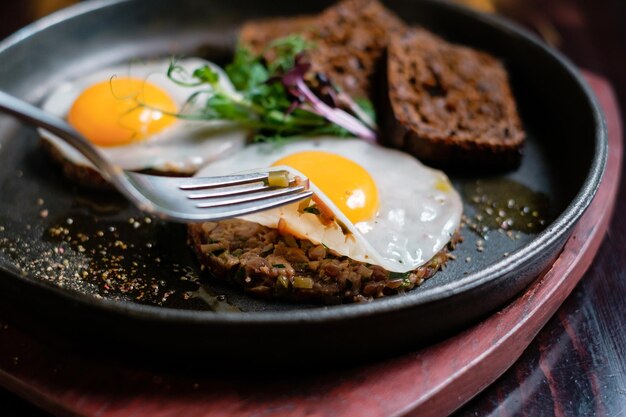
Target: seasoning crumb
(468, 259)
(97, 261)
(40, 201)
(497, 210)
(120, 244)
(43, 213)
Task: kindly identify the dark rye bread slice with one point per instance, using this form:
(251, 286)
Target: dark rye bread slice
(267, 264)
(350, 39)
(450, 105)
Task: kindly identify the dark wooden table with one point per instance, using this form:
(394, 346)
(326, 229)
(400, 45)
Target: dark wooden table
(576, 365)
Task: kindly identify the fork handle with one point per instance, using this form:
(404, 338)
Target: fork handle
(35, 116)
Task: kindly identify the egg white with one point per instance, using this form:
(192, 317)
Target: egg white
(182, 147)
(419, 211)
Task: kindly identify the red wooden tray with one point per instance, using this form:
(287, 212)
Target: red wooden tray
(430, 382)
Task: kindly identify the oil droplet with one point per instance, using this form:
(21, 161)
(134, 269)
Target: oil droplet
(216, 302)
(505, 204)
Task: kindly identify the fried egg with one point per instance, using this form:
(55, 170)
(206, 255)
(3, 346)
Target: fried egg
(372, 204)
(128, 113)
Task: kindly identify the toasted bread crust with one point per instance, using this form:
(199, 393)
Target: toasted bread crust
(450, 104)
(350, 39)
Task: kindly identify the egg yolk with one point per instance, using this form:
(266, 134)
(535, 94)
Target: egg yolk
(345, 182)
(121, 110)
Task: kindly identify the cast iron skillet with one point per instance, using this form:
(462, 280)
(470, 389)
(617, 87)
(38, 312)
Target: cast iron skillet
(42, 275)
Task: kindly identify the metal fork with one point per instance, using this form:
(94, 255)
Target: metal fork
(172, 198)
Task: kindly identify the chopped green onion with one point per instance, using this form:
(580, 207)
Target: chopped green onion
(303, 282)
(278, 179)
(399, 275)
(282, 281)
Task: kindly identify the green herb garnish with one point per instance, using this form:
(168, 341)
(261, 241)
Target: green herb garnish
(274, 95)
(399, 275)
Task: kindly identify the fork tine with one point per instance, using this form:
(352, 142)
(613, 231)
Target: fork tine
(252, 207)
(251, 197)
(229, 191)
(225, 192)
(223, 181)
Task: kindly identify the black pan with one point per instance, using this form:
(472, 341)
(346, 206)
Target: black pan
(151, 303)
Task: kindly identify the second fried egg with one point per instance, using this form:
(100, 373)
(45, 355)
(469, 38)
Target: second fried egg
(372, 204)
